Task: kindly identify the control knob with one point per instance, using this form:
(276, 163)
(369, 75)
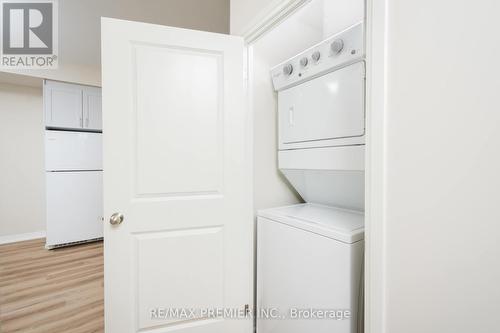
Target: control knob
(288, 69)
(337, 46)
(304, 61)
(315, 56)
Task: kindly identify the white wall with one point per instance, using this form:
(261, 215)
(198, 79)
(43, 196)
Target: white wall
(22, 178)
(441, 154)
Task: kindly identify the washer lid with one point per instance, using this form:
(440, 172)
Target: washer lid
(344, 225)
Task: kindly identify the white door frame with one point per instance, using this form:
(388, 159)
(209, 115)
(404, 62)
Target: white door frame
(375, 198)
(376, 38)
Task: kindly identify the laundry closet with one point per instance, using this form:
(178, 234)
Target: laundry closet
(310, 255)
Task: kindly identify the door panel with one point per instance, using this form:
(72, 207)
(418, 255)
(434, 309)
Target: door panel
(177, 165)
(184, 287)
(192, 124)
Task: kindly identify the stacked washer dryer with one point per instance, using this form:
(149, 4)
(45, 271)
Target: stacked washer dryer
(310, 256)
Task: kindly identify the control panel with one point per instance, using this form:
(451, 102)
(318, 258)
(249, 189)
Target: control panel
(342, 49)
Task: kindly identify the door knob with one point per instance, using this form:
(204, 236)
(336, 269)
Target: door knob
(116, 218)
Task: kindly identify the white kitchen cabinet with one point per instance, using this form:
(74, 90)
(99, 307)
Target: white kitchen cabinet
(63, 105)
(92, 108)
(72, 106)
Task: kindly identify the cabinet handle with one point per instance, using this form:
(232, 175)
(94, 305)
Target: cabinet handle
(81, 122)
(87, 122)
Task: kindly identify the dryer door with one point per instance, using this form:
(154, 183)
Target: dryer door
(329, 107)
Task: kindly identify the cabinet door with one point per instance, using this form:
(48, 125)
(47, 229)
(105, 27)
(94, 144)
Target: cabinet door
(92, 108)
(63, 105)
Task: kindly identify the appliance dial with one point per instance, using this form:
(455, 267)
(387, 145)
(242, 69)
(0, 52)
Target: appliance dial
(337, 46)
(304, 61)
(315, 56)
(288, 69)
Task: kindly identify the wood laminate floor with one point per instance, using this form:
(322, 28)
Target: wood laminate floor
(52, 291)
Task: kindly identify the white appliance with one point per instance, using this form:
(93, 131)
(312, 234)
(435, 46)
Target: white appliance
(73, 165)
(310, 256)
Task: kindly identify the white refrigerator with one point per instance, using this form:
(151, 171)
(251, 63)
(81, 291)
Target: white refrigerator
(73, 165)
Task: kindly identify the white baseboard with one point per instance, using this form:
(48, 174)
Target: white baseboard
(21, 237)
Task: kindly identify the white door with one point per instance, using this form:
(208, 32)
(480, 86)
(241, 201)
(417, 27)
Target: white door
(92, 108)
(63, 105)
(177, 166)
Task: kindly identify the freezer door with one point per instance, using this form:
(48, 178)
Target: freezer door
(74, 206)
(70, 151)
